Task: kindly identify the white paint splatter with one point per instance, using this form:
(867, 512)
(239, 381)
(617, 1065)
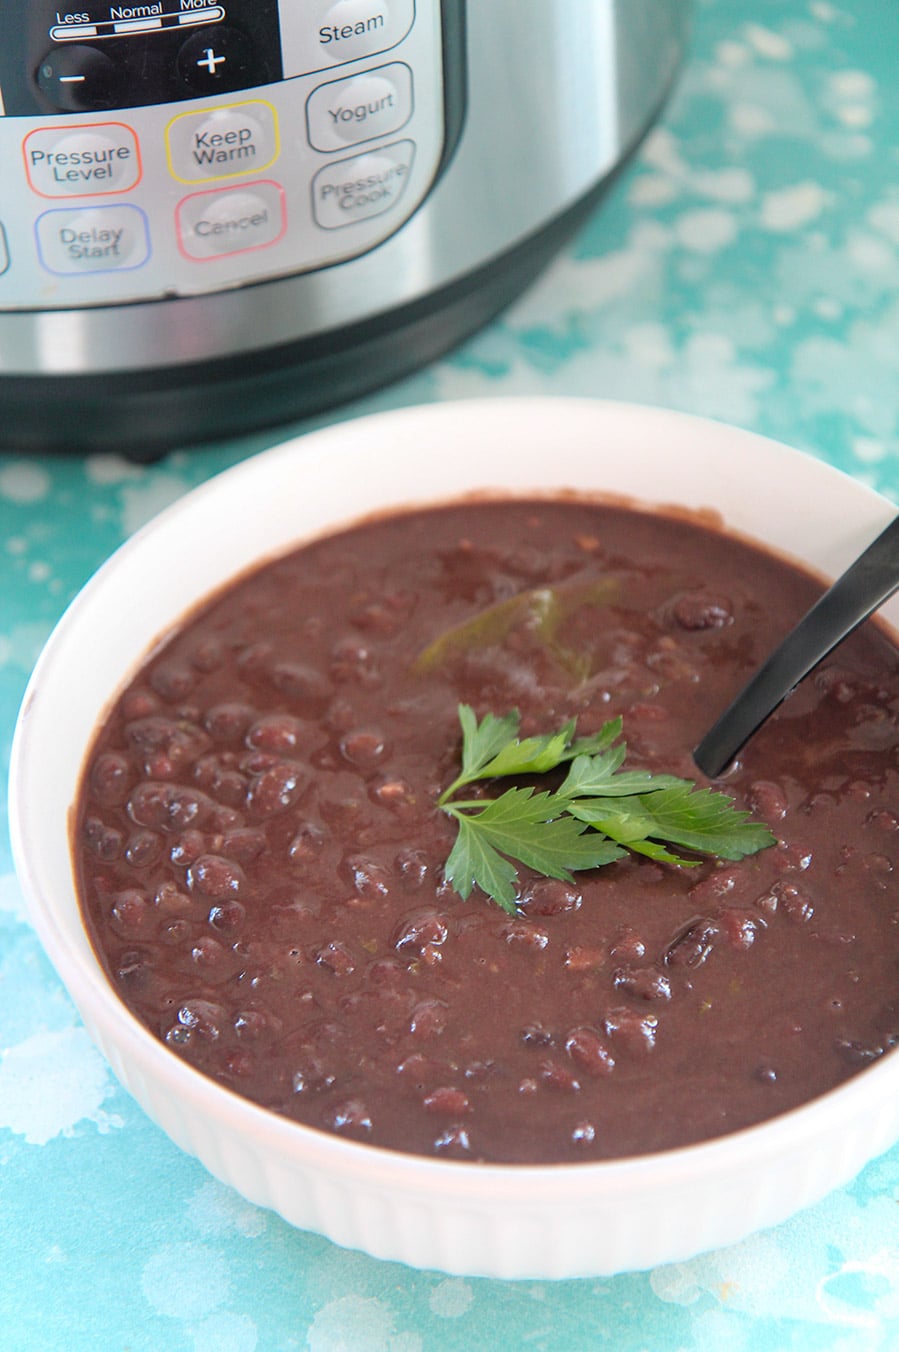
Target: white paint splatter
(751, 119)
(67, 1060)
(884, 217)
(731, 184)
(777, 1274)
(652, 190)
(855, 115)
(869, 450)
(768, 43)
(111, 469)
(186, 1281)
(21, 645)
(730, 53)
(12, 902)
(144, 500)
(650, 345)
(226, 1332)
(358, 1324)
(870, 253)
(852, 84)
(24, 482)
(706, 231)
(451, 1299)
(217, 1210)
(580, 285)
(792, 207)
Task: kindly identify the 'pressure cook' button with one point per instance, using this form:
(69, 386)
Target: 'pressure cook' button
(361, 187)
(93, 161)
(235, 139)
(93, 239)
(360, 108)
(231, 220)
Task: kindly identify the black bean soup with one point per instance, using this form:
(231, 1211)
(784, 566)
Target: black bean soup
(260, 854)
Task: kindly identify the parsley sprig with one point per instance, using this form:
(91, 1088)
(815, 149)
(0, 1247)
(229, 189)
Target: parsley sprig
(598, 813)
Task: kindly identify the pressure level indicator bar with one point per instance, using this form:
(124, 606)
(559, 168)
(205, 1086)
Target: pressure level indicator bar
(124, 27)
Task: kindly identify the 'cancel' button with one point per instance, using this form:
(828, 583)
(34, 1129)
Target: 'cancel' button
(231, 220)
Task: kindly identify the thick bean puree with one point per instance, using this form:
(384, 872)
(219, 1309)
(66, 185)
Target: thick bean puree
(260, 853)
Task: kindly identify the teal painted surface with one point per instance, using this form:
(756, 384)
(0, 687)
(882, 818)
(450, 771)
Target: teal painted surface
(745, 266)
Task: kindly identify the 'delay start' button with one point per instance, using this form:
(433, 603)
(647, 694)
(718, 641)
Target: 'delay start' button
(92, 239)
(93, 161)
(233, 140)
(362, 186)
(227, 221)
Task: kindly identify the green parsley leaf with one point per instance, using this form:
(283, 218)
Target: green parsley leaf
(599, 812)
(522, 825)
(598, 776)
(698, 819)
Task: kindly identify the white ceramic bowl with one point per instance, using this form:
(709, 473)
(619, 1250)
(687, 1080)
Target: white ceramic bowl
(501, 1221)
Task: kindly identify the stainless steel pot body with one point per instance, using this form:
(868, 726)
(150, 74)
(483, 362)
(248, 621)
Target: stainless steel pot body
(213, 218)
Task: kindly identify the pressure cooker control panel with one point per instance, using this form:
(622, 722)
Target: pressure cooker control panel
(179, 147)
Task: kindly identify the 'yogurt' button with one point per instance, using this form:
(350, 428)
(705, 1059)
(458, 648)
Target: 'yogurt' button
(361, 187)
(93, 239)
(94, 161)
(231, 220)
(236, 139)
(360, 108)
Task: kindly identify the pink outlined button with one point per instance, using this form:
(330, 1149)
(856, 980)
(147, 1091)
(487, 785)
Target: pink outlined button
(221, 222)
(97, 160)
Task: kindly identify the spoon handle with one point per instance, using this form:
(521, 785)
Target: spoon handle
(864, 586)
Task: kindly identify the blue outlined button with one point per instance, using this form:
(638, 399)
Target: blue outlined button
(93, 239)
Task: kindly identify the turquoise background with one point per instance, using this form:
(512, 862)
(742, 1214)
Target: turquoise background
(744, 266)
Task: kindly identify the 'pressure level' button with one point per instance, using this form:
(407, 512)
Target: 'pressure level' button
(92, 161)
(362, 186)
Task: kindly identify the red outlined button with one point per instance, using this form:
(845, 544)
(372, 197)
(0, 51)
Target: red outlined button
(225, 221)
(97, 160)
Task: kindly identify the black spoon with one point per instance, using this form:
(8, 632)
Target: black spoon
(864, 586)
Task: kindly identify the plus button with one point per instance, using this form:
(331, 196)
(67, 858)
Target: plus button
(211, 61)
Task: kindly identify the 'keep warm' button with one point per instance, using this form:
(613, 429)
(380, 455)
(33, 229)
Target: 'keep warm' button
(93, 239)
(361, 187)
(231, 220)
(235, 139)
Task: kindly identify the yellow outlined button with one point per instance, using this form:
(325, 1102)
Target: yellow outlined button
(229, 141)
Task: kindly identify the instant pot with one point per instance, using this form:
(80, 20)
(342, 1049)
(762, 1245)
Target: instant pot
(215, 217)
